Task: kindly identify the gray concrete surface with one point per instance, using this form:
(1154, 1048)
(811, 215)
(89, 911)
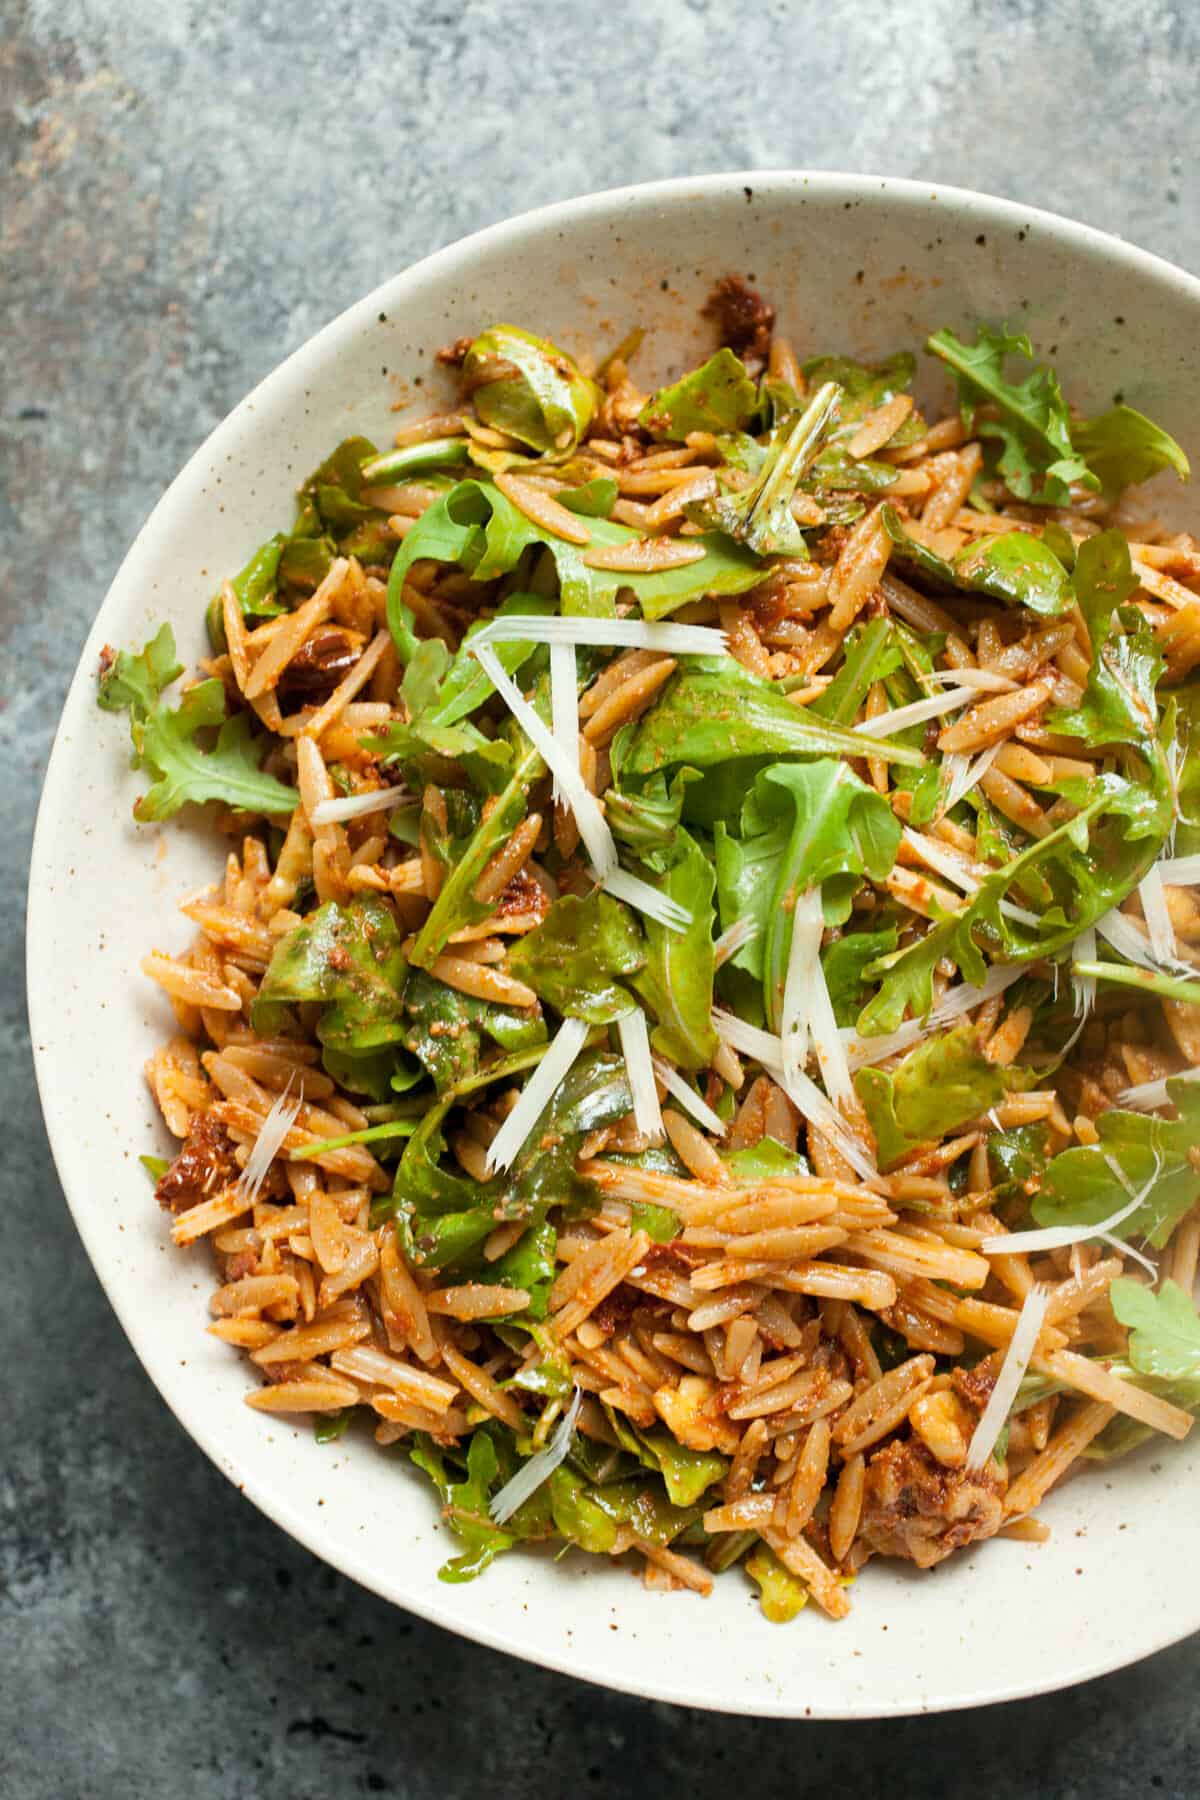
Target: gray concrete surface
(189, 190)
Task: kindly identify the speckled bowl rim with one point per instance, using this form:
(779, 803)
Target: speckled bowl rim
(994, 213)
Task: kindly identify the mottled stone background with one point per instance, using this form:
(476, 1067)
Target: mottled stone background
(189, 190)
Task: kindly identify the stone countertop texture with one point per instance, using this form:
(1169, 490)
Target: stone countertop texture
(189, 191)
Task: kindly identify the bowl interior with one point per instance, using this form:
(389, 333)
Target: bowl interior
(857, 265)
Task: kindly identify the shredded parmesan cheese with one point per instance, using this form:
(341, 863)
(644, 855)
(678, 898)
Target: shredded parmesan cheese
(989, 679)
(959, 869)
(644, 898)
(604, 634)
(953, 1005)
(332, 812)
(688, 1098)
(796, 1010)
(1123, 935)
(1084, 986)
(740, 933)
(1059, 1237)
(804, 1093)
(537, 1093)
(539, 1468)
(901, 717)
(564, 707)
(1158, 919)
(1180, 871)
(1149, 1094)
(593, 828)
(1017, 1358)
(965, 773)
(270, 1141)
(827, 1040)
(639, 1066)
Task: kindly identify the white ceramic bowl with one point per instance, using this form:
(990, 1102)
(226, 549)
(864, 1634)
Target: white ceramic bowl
(853, 263)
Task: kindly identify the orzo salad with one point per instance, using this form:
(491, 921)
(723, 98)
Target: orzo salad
(694, 1043)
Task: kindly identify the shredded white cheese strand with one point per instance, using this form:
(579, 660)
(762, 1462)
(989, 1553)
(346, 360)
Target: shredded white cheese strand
(953, 1005)
(564, 706)
(272, 1134)
(1123, 935)
(1158, 919)
(990, 680)
(804, 1093)
(1180, 871)
(1059, 1237)
(901, 717)
(688, 1098)
(1148, 1095)
(332, 812)
(1017, 1359)
(639, 1066)
(537, 1093)
(827, 1039)
(795, 1014)
(967, 875)
(539, 1468)
(739, 934)
(606, 634)
(589, 816)
(1084, 986)
(563, 762)
(966, 774)
(644, 898)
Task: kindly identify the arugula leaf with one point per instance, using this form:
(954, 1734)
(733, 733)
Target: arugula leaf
(714, 711)
(466, 1502)
(572, 959)
(658, 1222)
(440, 691)
(445, 1029)
(844, 962)
(255, 584)
(763, 1162)
(939, 1086)
(866, 386)
(1081, 1185)
(1012, 566)
(1164, 1339)
(456, 906)
(166, 740)
(870, 653)
(686, 1473)
(350, 959)
(781, 1594)
(719, 396)
(407, 460)
(676, 981)
(1090, 863)
(1123, 447)
(135, 680)
(531, 1265)
(1017, 1160)
(475, 526)
(648, 820)
(443, 1216)
(761, 514)
(804, 825)
(590, 1515)
(1036, 460)
(526, 386)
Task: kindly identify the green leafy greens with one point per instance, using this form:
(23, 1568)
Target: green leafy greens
(170, 742)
